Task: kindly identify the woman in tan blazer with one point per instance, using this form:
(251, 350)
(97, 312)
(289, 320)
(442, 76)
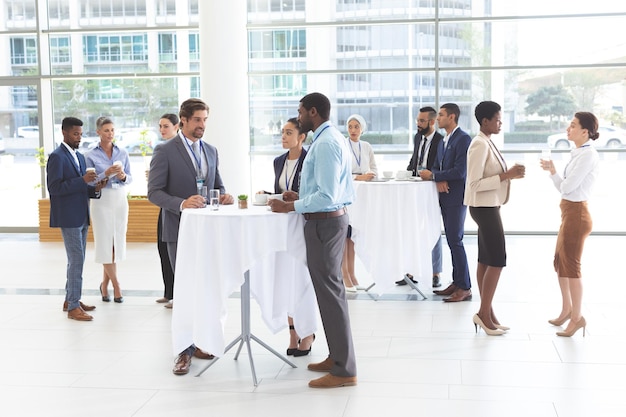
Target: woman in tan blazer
(486, 189)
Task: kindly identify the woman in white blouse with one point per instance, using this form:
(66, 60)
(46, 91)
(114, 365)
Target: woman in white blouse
(487, 188)
(575, 187)
(363, 169)
(110, 213)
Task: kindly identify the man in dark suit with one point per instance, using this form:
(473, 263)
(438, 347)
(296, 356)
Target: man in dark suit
(70, 189)
(179, 167)
(449, 172)
(426, 142)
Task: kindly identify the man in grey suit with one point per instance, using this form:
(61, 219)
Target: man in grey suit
(325, 191)
(178, 168)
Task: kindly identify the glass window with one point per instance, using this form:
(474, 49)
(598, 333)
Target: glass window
(23, 51)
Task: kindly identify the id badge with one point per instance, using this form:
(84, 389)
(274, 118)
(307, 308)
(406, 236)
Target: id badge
(199, 184)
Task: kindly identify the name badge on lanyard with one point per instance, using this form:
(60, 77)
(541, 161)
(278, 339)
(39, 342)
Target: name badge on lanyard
(199, 184)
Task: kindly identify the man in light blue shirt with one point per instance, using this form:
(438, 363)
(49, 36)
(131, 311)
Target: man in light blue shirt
(325, 191)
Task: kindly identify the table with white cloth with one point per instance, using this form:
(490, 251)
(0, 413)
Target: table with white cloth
(254, 249)
(395, 225)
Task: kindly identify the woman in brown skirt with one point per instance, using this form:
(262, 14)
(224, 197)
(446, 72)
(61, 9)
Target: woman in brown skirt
(575, 188)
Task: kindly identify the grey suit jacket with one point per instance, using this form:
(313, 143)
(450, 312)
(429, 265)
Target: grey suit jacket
(172, 179)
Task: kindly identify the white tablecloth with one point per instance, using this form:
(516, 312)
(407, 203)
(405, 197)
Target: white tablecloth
(395, 225)
(215, 249)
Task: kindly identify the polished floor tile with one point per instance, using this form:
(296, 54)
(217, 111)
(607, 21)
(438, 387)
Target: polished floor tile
(414, 357)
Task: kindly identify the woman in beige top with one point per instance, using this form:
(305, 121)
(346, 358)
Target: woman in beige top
(486, 189)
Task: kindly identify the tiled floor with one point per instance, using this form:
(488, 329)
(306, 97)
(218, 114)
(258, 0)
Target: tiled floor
(415, 358)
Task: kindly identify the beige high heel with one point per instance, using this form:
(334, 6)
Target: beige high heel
(557, 322)
(501, 327)
(478, 322)
(581, 323)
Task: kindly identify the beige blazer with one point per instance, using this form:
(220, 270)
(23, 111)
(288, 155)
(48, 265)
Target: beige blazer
(483, 187)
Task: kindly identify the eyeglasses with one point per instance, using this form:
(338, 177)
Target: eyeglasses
(423, 120)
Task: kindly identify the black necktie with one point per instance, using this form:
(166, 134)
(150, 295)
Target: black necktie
(421, 156)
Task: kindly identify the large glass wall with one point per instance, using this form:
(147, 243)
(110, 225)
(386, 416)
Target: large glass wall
(92, 58)
(384, 59)
(136, 59)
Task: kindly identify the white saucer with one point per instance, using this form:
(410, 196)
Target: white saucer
(259, 204)
(379, 179)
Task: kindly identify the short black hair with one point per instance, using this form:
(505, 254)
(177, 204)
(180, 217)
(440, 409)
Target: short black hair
(486, 110)
(70, 122)
(432, 113)
(319, 101)
(454, 109)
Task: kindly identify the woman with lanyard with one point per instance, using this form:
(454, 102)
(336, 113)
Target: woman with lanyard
(287, 169)
(110, 212)
(575, 188)
(363, 169)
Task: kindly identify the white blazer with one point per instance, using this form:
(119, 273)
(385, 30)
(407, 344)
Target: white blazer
(483, 187)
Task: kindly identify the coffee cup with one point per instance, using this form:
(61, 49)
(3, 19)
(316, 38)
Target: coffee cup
(387, 174)
(90, 169)
(275, 197)
(401, 175)
(260, 198)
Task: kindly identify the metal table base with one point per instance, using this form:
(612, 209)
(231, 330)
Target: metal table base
(246, 335)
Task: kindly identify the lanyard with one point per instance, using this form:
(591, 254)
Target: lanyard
(358, 158)
(289, 179)
(318, 135)
(196, 157)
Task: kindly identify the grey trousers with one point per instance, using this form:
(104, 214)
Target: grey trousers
(325, 240)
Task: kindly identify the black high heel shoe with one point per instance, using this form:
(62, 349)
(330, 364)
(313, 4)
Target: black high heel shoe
(291, 351)
(118, 299)
(299, 352)
(105, 298)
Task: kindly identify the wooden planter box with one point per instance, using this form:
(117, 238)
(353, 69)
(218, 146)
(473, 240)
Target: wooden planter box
(142, 222)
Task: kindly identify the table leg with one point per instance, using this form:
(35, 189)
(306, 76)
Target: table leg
(246, 334)
(407, 280)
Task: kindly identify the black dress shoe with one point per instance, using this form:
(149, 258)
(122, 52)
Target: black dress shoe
(436, 281)
(403, 282)
(105, 298)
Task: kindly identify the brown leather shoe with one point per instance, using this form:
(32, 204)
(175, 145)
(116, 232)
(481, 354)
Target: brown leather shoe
(332, 381)
(201, 354)
(324, 366)
(78, 314)
(448, 291)
(182, 364)
(85, 307)
(459, 295)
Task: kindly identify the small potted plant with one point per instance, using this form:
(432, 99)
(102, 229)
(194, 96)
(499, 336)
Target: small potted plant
(242, 201)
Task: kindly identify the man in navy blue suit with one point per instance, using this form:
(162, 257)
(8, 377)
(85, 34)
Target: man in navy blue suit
(449, 172)
(70, 189)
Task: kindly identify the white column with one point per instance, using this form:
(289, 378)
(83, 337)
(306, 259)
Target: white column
(224, 87)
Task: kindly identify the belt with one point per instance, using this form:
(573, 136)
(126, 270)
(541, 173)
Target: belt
(325, 214)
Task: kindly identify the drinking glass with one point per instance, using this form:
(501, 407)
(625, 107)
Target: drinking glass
(214, 199)
(546, 154)
(204, 192)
